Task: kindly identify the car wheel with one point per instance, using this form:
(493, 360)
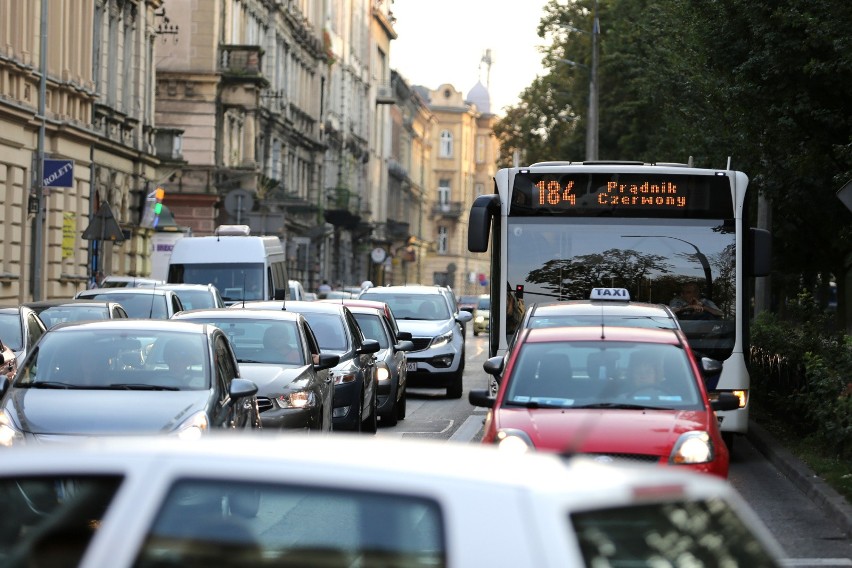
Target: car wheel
(390, 417)
(728, 438)
(400, 406)
(371, 424)
(456, 388)
(475, 333)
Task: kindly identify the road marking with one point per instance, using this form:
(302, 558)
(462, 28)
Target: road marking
(468, 430)
(816, 562)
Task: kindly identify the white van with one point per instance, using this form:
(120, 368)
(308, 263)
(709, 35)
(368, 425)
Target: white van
(241, 266)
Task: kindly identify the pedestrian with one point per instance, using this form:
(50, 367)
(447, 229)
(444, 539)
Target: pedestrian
(98, 280)
(323, 289)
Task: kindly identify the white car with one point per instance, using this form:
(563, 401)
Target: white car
(329, 501)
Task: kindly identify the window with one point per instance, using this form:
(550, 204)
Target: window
(370, 528)
(443, 239)
(444, 194)
(446, 150)
(480, 149)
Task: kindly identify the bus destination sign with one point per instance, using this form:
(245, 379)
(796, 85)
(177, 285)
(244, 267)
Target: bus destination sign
(630, 195)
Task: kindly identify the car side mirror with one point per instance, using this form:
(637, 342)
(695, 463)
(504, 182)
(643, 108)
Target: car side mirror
(464, 317)
(710, 366)
(405, 346)
(242, 388)
(369, 346)
(494, 366)
(481, 398)
(403, 335)
(327, 361)
(725, 401)
(280, 294)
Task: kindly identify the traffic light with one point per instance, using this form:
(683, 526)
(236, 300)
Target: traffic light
(159, 193)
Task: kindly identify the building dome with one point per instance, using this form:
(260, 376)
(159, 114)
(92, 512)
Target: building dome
(479, 96)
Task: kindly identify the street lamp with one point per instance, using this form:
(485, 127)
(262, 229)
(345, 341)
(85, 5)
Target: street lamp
(592, 119)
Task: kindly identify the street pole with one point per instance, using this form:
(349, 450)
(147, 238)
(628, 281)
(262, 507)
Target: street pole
(592, 120)
(38, 239)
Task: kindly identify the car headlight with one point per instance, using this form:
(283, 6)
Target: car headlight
(9, 434)
(513, 441)
(296, 399)
(343, 377)
(479, 319)
(442, 339)
(382, 372)
(193, 427)
(692, 447)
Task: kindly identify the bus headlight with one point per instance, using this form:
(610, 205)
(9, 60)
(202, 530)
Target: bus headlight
(742, 396)
(513, 441)
(692, 447)
(442, 339)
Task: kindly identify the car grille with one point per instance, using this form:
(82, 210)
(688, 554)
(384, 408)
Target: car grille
(264, 404)
(640, 458)
(421, 343)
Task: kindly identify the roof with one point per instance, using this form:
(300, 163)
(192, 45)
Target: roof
(218, 313)
(290, 305)
(611, 333)
(139, 324)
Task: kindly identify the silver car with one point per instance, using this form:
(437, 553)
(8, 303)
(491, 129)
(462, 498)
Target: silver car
(145, 303)
(437, 360)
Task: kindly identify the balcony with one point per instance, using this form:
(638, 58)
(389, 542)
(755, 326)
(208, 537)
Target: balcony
(397, 231)
(241, 63)
(342, 207)
(449, 210)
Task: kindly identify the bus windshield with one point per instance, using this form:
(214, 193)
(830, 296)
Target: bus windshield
(235, 281)
(554, 258)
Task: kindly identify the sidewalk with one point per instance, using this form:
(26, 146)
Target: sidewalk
(835, 506)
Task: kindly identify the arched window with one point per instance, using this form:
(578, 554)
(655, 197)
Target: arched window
(446, 144)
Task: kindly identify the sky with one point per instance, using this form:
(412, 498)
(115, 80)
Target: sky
(443, 41)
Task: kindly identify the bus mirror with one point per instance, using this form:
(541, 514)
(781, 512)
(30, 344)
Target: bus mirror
(761, 252)
(479, 224)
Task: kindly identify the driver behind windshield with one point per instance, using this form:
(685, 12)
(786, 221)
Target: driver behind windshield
(691, 303)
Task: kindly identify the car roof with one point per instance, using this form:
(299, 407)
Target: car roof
(140, 324)
(68, 302)
(606, 333)
(369, 461)
(409, 289)
(591, 307)
(220, 313)
(291, 305)
(138, 290)
(185, 286)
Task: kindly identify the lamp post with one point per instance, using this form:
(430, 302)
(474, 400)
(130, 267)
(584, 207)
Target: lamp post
(38, 225)
(592, 118)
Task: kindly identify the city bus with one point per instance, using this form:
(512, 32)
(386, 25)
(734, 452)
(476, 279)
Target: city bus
(556, 230)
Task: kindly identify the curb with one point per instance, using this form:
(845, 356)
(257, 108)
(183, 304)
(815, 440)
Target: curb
(826, 497)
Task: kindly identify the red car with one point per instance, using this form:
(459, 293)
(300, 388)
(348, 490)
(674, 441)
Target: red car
(611, 392)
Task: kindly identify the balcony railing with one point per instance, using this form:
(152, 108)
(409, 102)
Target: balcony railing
(450, 209)
(241, 62)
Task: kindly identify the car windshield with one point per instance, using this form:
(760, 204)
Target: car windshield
(372, 328)
(600, 374)
(484, 303)
(407, 306)
(197, 299)
(10, 331)
(61, 314)
(117, 359)
(328, 329)
(147, 306)
(260, 340)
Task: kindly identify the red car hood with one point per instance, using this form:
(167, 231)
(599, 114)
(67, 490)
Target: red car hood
(650, 432)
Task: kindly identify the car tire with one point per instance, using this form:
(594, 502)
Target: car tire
(456, 388)
(390, 417)
(371, 424)
(728, 438)
(475, 333)
(400, 405)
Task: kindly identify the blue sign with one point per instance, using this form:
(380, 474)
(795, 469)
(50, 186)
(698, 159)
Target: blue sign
(58, 173)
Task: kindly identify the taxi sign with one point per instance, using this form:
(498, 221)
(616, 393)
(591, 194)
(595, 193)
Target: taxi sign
(620, 294)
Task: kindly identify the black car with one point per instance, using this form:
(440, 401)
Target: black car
(20, 329)
(355, 384)
(277, 350)
(53, 312)
(126, 377)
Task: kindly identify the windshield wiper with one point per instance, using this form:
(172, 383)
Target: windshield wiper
(53, 385)
(621, 406)
(141, 386)
(534, 404)
(248, 361)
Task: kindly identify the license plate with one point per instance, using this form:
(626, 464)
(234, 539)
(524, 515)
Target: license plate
(412, 366)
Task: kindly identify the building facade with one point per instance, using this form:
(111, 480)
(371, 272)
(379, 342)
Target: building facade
(75, 87)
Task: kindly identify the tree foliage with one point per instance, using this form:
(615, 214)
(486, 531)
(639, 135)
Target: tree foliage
(762, 83)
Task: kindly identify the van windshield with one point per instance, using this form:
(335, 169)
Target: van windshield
(235, 281)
